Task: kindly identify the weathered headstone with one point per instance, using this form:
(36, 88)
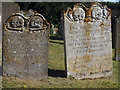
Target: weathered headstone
(88, 45)
(0, 46)
(25, 46)
(113, 30)
(0, 24)
(117, 48)
(7, 8)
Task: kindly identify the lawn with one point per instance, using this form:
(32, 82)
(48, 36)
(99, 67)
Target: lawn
(56, 77)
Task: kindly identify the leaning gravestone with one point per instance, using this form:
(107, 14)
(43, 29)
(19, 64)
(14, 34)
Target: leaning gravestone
(25, 46)
(88, 45)
(117, 49)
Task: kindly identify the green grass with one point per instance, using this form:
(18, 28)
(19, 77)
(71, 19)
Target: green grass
(56, 55)
(56, 77)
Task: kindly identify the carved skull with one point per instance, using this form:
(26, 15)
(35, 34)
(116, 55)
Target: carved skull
(36, 22)
(97, 13)
(17, 22)
(78, 15)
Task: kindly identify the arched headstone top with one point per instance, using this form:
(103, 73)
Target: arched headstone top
(26, 21)
(80, 13)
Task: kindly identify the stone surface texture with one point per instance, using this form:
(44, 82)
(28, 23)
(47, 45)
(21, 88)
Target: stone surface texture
(25, 45)
(117, 48)
(7, 8)
(88, 44)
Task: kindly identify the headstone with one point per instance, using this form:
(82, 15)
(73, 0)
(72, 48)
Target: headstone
(117, 49)
(7, 8)
(0, 46)
(88, 45)
(0, 24)
(113, 24)
(25, 46)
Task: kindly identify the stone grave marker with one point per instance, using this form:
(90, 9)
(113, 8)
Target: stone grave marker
(117, 49)
(0, 46)
(25, 46)
(88, 44)
(7, 8)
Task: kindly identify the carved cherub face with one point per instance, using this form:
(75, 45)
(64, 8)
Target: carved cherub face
(97, 13)
(17, 22)
(79, 15)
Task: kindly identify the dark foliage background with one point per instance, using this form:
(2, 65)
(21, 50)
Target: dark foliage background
(52, 10)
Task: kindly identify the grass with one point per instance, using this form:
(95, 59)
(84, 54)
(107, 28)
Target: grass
(56, 77)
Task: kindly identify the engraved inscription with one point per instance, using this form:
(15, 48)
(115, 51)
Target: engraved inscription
(88, 45)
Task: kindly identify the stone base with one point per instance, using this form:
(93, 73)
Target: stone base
(93, 76)
(32, 72)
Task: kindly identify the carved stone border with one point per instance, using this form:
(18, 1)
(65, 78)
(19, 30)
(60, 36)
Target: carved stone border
(94, 13)
(21, 22)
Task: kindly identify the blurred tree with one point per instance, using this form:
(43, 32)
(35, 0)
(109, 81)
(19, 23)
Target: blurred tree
(50, 10)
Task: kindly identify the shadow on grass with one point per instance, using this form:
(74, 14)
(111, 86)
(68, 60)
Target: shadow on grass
(56, 42)
(56, 73)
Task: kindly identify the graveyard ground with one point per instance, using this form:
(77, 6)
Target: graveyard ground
(56, 78)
